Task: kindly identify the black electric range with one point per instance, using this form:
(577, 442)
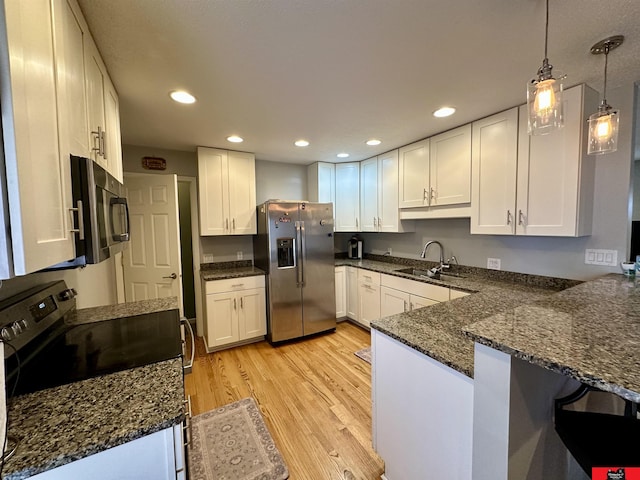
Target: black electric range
(43, 350)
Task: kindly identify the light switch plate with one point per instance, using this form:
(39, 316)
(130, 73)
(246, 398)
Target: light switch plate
(207, 258)
(596, 256)
(493, 263)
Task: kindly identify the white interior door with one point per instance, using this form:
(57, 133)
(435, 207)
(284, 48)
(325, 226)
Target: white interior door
(152, 261)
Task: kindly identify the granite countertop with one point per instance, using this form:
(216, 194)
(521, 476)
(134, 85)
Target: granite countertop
(437, 330)
(66, 423)
(226, 270)
(590, 332)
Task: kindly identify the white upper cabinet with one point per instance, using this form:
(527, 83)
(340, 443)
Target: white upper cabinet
(494, 162)
(379, 195)
(435, 176)
(321, 182)
(450, 167)
(534, 185)
(347, 206)
(555, 174)
(413, 166)
(103, 113)
(38, 179)
(226, 192)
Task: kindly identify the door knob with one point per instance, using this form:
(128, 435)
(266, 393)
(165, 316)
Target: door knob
(173, 276)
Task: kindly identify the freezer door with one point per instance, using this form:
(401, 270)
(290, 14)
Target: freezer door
(318, 267)
(284, 293)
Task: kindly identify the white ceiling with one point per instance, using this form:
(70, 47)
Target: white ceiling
(338, 72)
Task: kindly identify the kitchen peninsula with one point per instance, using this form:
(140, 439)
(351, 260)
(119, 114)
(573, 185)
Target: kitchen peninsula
(446, 398)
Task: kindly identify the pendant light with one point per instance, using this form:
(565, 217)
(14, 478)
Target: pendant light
(544, 95)
(603, 125)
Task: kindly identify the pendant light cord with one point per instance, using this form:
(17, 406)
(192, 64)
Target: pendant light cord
(546, 32)
(606, 62)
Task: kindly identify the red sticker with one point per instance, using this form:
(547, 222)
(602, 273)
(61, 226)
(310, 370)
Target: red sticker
(615, 473)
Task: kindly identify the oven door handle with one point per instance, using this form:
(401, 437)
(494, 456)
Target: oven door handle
(193, 344)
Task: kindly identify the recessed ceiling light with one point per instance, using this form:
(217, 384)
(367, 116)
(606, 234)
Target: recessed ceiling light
(342, 155)
(181, 96)
(301, 143)
(444, 112)
(373, 142)
(235, 139)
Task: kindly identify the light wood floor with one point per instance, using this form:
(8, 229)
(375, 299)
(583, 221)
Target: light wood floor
(314, 394)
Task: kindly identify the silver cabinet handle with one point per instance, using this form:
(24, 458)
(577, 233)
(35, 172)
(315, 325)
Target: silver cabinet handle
(103, 144)
(237, 285)
(233, 224)
(433, 194)
(521, 219)
(410, 306)
(241, 303)
(97, 138)
(424, 194)
(375, 223)
(379, 224)
(508, 217)
(226, 224)
(357, 223)
(173, 276)
(235, 305)
(404, 307)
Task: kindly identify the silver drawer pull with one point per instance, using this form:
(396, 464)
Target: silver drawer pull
(237, 285)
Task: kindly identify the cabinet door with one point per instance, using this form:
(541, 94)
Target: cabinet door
(38, 186)
(347, 197)
(95, 74)
(413, 176)
(494, 162)
(321, 182)
(113, 145)
(369, 300)
(393, 301)
(341, 292)
(450, 167)
(72, 104)
(213, 194)
(555, 175)
(222, 319)
(388, 212)
(352, 294)
(369, 195)
(242, 193)
(252, 313)
(417, 301)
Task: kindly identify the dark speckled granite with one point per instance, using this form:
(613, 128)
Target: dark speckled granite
(120, 310)
(62, 424)
(225, 270)
(590, 332)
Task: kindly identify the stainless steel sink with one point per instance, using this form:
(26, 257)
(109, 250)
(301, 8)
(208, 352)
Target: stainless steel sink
(420, 272)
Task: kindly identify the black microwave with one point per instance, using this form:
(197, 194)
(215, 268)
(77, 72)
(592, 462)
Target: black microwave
(101, 214)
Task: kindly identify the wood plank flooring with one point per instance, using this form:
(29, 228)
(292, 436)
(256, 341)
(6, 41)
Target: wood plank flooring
(314, 394)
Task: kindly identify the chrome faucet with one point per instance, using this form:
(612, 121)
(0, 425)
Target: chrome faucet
(435, 271)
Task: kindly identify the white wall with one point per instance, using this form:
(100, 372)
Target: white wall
(559, 257)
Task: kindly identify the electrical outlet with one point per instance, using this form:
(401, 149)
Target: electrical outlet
(208, 258)
(239, 255)
(594, 256)
(493, 263)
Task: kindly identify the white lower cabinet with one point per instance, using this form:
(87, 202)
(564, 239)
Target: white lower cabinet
(368, 296)
(160, 456)
(234, 311)
(341, 292)
(352, 293)
(422, 413)
(393, 302)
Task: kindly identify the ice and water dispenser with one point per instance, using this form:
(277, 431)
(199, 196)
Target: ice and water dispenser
(286, 257)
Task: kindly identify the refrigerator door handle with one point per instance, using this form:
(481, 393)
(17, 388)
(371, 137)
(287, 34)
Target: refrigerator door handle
(303, 249)
(297, 252)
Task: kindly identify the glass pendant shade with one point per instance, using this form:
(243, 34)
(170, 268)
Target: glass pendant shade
(544, 104)
(603, 131)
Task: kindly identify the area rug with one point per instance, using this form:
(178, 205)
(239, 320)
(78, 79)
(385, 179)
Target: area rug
(233, 443)
(364, 354)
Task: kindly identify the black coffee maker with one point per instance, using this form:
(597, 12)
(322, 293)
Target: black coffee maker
(354, 248)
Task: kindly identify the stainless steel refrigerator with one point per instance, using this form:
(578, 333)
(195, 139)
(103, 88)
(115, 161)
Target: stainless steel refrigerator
(294, 245)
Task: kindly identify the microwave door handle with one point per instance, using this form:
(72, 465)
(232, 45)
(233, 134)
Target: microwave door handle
(120, 237)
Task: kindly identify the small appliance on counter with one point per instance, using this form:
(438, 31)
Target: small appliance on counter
(354, 249)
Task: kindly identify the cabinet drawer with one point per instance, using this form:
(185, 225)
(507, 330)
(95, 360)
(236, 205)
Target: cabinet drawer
(367, 276)
(434, 292)
(233, 284)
